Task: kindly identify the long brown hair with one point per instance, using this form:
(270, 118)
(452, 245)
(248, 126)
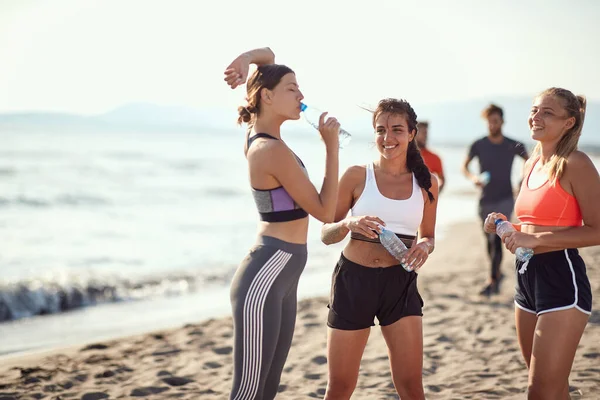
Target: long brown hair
(414, 161)
(575, 107)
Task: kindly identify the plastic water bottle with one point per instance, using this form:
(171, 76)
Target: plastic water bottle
(312, 115)
(393, 245)
(502, 227)
(484, 177)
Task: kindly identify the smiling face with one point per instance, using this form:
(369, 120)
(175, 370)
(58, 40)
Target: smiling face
(393, 135)
(548, 119)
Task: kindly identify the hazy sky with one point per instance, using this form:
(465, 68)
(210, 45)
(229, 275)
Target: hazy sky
(91, 56)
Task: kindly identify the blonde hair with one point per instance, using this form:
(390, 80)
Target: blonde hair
(575, 107)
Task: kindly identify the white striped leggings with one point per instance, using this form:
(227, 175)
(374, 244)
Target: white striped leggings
(263, 300)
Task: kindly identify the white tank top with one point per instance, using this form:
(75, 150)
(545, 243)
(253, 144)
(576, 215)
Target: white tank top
(400, 216)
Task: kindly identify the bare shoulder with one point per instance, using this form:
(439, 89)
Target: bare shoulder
(267, 149)
(354, 176)
(578, 160)
(580, 168)
(356, 172)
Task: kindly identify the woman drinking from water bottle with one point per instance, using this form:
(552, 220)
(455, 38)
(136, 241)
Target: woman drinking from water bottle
(398, 192)
(558, 210)
(263, 291)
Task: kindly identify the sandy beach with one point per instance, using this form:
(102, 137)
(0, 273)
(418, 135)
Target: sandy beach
(470, 347)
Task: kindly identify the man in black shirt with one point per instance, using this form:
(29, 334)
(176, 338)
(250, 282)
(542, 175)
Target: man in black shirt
(495, 153)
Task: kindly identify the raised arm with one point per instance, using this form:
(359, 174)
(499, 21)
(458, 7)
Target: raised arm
(237, 72)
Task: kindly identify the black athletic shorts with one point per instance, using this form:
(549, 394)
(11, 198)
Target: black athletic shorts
(359, 294)
(553, 281)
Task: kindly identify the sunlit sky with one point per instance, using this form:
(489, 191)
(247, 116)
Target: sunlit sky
(91, 56)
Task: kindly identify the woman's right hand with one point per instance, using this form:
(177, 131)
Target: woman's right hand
(365, 225)
(489, 226)
(237, 72)
(329, 130)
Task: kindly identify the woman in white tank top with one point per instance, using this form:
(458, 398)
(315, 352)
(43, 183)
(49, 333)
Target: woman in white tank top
(396, 191)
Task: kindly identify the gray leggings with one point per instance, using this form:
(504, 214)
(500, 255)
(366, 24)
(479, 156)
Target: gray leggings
(263, 300)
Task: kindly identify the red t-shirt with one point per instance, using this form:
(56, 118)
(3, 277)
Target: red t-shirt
(433, 162)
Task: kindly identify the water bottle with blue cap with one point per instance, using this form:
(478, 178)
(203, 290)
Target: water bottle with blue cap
(312, 115)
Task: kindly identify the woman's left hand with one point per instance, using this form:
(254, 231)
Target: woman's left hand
(417, 255)
(514, 240)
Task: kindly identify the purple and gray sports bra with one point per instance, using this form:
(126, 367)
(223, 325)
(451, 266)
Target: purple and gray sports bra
(276, 205)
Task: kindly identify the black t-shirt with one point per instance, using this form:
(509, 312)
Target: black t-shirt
(497, 159)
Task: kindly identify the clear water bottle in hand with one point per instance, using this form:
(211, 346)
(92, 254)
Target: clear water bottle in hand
(312, 115)
(394, 246)
(502, 227)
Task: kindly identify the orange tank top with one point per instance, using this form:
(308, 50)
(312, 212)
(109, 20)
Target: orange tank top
(547, 205)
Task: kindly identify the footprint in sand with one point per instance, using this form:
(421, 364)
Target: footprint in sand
(318, 394)
(95, 346)
(313, 376)
(97, 359)
(106, 374)
(51, 388)
(223, 350)
(207, 344)
(319, 360)
(166, 352)
(591, 355)
(312, 325)
(443, 338)
(433, 388)
(177, 381)
(308, 316)
(147, 391)
(94, 396)
(212, 365)
(66, 385)
(196, 332)
(2, 397)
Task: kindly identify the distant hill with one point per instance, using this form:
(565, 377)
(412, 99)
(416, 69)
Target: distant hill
(145, 117)
(450, 123)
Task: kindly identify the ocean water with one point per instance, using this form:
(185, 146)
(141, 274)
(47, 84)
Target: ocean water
(119, 233)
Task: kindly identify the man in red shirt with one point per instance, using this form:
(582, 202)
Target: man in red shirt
(433, 162)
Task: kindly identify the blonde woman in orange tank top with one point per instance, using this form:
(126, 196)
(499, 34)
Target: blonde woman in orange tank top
(558, 212)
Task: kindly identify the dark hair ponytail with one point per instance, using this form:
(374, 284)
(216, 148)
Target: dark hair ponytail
(415, 163)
